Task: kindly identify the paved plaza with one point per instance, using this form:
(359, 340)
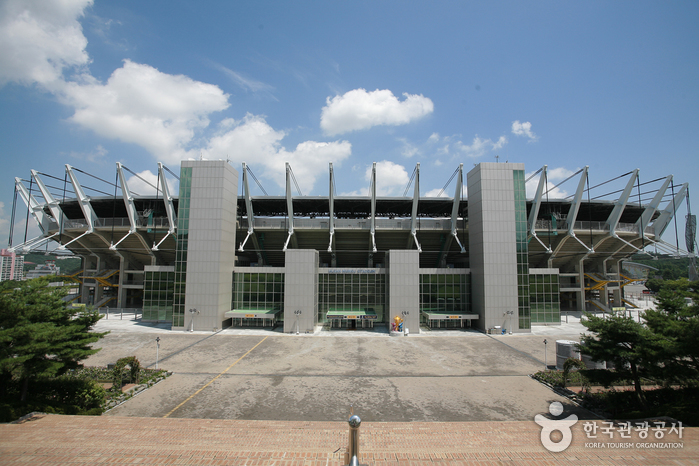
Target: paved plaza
(257, 374)
(148, 441)
(253, 396)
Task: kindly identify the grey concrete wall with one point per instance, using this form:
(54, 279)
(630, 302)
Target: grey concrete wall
(404, 288)
(301, 289)
(211, 249)
(492, 242)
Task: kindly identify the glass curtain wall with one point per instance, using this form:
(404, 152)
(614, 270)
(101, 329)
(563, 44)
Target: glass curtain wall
(158, 296)
(182, 244)
(445, 293)
(522, 250)
(544, 298)
(258, 291)
(351, 291)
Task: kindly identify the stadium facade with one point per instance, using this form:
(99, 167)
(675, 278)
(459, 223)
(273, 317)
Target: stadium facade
(488, 259)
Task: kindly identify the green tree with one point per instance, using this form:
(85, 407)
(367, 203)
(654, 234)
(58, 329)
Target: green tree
(677, 322)
(634, 349)
(654, 284)
(568, 366)
(39, 335)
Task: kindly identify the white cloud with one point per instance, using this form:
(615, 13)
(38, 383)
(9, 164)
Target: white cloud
(139, 104)
(97, 155)
(559, 173)
(480, 147)
(502, 140)
(39, 39)
(146, 188)
(436, 193)
(408, 150)
(554, 176)
(523, 129)
(255, 142)
(391, 180)
(245, 83)
(390, 177)
(359, 109)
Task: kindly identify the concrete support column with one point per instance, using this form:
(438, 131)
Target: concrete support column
(404, 288)
(121, 292)
(581, 291)
(300, 290)
(616, 270)
(493, 243)
(211, 244)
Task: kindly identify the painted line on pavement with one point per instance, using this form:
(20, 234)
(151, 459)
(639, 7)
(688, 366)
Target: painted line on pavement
(212, 380)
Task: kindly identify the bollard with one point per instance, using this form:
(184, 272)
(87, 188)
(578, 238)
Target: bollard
(352, 455)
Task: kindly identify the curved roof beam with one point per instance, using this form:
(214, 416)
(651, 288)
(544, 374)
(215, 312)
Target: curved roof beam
(619, 206)
(52, 203)
(129, 203)
(131, 212)
(647, 215)
(251, 218)
(536, 205)
(441, 260)
(372, 230)
(662, 222)
(331, 216)
(290, 210)
(573, 214)
(85, 206)
(455, 206)
(169, 207)
(37, 211)
(413, 217)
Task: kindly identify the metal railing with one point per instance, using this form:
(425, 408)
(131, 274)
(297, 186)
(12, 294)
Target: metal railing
(156, 222)
(542, 224)
(351, 224)
(132, 313)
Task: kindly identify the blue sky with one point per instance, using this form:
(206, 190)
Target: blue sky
(612, 85)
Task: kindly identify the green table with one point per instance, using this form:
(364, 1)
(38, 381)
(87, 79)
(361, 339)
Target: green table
(262, 316)
(364, 315)
(438, 316)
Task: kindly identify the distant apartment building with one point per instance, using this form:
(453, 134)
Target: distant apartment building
(11, 266)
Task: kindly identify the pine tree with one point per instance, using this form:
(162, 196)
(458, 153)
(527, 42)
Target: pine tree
(678, 323)
(629, 344)
(40, 336)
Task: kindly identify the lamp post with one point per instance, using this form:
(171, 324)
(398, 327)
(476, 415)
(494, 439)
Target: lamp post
(546, 365)
(297, 313)
(191, 322)
(157, 347)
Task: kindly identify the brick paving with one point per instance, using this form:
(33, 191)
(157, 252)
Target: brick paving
(54, 439)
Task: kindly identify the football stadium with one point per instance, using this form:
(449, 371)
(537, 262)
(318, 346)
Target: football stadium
(489, 257)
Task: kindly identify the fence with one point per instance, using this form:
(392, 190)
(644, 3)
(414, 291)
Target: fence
(131, 313)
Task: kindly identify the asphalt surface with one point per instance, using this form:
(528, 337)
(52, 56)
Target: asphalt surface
(255, 374)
